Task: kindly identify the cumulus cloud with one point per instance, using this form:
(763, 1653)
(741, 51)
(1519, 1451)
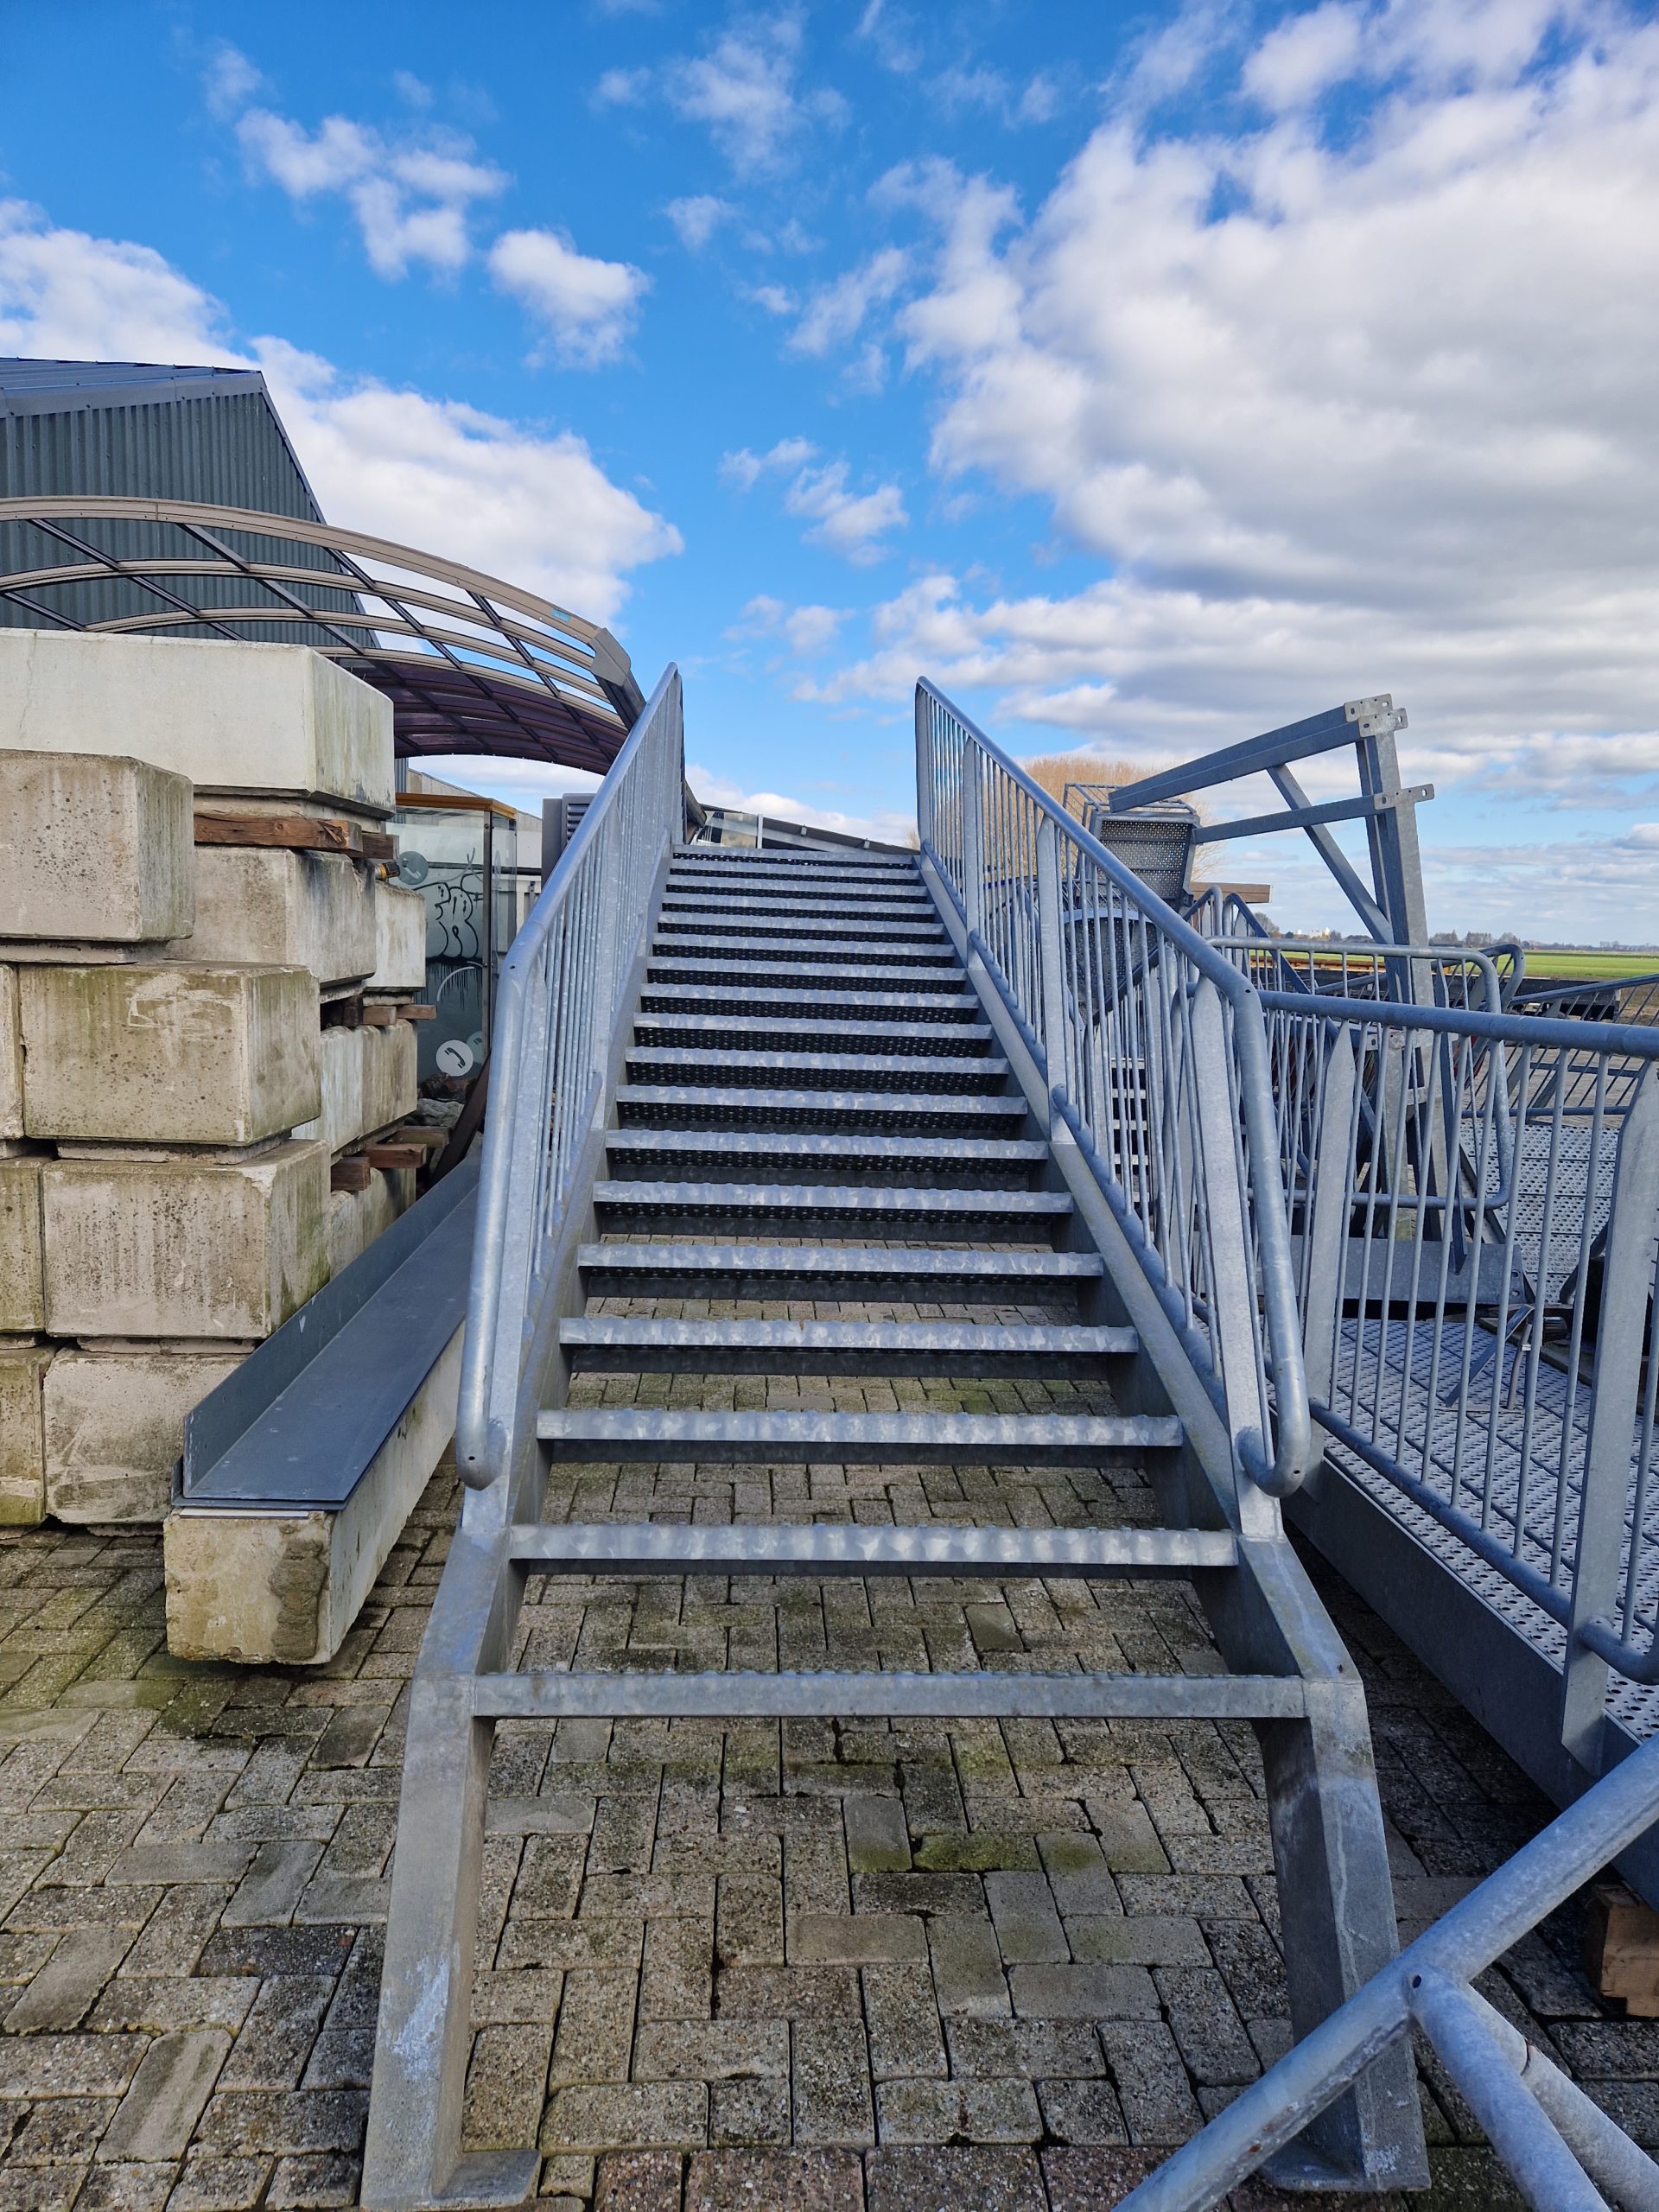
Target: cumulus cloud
(806, 631)
(587, 305)
(410, 195)
(852, 524)
(697, 218)
(1349, 402)
(835, 313)
(744, 91)
(432, 473)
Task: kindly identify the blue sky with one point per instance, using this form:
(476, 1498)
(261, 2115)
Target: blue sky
(1146, 376)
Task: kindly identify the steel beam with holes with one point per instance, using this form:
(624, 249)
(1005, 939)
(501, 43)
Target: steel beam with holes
(826, 1547)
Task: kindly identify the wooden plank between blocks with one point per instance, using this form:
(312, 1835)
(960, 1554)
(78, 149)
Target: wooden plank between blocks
(295, 833)
(1621, 1949)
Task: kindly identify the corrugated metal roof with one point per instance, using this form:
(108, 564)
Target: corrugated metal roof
(59, 387)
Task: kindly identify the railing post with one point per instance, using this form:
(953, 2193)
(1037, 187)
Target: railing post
(1326, 1228)
(1233, 1319)
(1050, 962)
(924, 768)
(1626, 1284)
(973, 841)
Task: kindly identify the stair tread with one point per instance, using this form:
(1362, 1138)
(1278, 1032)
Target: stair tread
(788, 919)
(835, 1197)
(807, 1336)
(943, 979)
(840, 1259)
(662, 1436)
(820, 1144)
(978, 1693)
(887, 1103)
(985, 1067)
(781, 948)
(785, 1025)
(859, 1548)
(760, 994)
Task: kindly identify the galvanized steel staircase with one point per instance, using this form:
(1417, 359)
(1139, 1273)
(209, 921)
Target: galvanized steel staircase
(817, 1110)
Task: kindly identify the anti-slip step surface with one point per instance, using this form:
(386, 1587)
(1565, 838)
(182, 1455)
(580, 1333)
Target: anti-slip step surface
(831, 1156)
(1025, 1216)
(981, 1351)
(807, 1271)
(708, 1033)
(817, 1070)
(906, 1439)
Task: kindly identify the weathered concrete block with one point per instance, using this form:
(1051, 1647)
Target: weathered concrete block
(22, 1291)
(114, 1426)
(265, 1586)
(231, 717)
(98, 851)
(399, 940)
(11, 1058)
(357, 1217)
(341, 1118)
(305, 910)
(22, 1453)
(171, 1054)
(390, 1088)
(182, 1248)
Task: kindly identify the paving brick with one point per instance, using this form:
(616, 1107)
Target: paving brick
(930, 2180)
(602, 2117)
(968, 1974)
(273, 1886)
(1138, 1939)
(595, 2029)
(1083, 1992)
(647, 2184)
(809, 2181)
(981, 2109)
(1095, 2180)
(280, 2030)
(1152, 2087)
(66, 1987)
(855, 1939)
(506, 2087)
(1028, 1929)
(878, 1836)
(67, 2066)
(712, 2051)
(210, 2184)
(829, 2082)
(157, 2116)
(902, 2024)
(748, 2112)
(316, 2178)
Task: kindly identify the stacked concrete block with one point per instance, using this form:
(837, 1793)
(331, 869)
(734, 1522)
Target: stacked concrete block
(181, 1062)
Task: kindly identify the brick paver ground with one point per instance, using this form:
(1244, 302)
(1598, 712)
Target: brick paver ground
(902, 1968)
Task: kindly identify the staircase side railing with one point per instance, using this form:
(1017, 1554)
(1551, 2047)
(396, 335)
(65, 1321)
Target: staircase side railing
(1475, 1207)
(1154, 1050)
(555, 1018)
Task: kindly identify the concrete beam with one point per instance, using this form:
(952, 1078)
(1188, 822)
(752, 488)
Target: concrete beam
(99, 852)
(390, 1089)
(11, 1059)
(399, 941)
(22, 1452)
(340, 1123)
(263, 1585)
(357, 1217)
(114, 1428)
(302, 909)
(190, 1249)
(172, 1055)
(231, 717)
(22, 1284)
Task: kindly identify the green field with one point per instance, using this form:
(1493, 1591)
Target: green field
(1591, 967)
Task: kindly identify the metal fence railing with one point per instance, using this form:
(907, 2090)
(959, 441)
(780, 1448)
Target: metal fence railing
(1154, 1050)
(555, 1021)
(1437, 974)
(1474, 1201)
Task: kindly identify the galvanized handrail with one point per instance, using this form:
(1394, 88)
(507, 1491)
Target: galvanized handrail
(556, 1017)
(1562, 2149)
(1154, 1052)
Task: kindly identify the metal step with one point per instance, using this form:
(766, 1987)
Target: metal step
(984, 1696)
(793, 922)
(853, 862)
(739, 1109)
(796, 899)
(832, 1548)
(830, 1156)
(737, 1032)
(905, 1008)
(750, 1439)
(851, 951)
(819, 1070)
(603, 1343)
(866, 1274)
(1023, 1216)
(945, 983)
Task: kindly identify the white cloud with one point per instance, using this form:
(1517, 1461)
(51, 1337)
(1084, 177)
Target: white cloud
(852, 524)
(1305, 56)
(776, 299)
(743, 91)
(806, 631)
(230, 81)
(697, 218)
(892, 33)
(622, 88)
(66, 295)
(589, 306)
(432, 473)
(847, 522)
(410, 197)
(835, 313)
(1338, 409)
(745, 469)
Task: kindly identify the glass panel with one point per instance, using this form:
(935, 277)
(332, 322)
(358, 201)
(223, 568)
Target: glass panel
(445, 854)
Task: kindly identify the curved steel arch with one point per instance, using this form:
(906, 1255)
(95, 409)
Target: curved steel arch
(499, 672)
